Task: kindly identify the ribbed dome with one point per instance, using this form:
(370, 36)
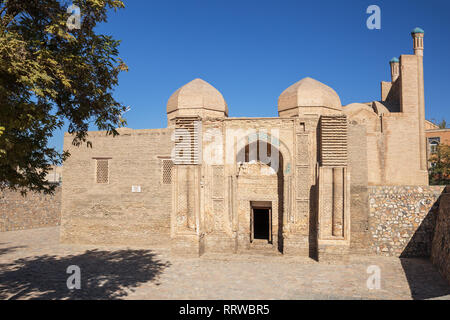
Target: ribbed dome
(309, 93)
(197, 94)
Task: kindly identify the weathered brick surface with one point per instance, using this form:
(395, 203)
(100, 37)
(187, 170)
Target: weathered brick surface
(440, 252)
(35, 210)
(359, 204)
(402, 219)
(110, 213)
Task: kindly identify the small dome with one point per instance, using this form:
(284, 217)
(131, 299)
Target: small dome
(197, 94)
(357, 107)
(309, 93)
(362, 114)
(380, 108)
(417, 30)
(394, 60)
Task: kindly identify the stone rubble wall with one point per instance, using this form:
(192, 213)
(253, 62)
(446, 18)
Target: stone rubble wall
(35, 210)
(402, 219)
(440, 252)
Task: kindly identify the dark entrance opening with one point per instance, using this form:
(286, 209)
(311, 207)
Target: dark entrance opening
(261, 220)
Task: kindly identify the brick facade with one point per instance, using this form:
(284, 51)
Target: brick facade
(133, 204)
(329, 158)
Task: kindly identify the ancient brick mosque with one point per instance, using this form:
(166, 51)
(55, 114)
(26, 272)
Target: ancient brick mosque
(296, 184)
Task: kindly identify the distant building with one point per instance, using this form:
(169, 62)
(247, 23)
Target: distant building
(54, 175)
(435, 136)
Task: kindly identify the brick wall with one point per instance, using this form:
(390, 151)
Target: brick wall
(35, 210)
(111, 213)
(359, 208)
(440, 252)
(402, 219)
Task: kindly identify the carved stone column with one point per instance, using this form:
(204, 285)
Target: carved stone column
(334, 189)
(185, 216)
(338, 202)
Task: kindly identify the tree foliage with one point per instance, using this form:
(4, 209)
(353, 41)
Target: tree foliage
(441, 125)
(50, 75)
(439, 171)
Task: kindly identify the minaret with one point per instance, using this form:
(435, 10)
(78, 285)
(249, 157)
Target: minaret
(418, 35)
(395, 68)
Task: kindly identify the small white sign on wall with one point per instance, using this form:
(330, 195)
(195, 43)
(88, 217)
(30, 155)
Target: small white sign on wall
(135, 188)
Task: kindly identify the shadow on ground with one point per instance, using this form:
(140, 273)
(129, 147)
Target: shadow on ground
(421, 242)
(424, 280)
(10, 249)
(104, 275)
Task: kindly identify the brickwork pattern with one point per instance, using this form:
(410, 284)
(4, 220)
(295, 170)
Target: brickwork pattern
(134, 205)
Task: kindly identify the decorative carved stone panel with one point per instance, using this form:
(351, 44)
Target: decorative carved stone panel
(181, 198)
(303, 182)
(185, 198)
(218, 182)
(302, 214)
(302, 149)
(288, 199)
(326, 202)
(218, 208)
(338, 202)
(192, 185)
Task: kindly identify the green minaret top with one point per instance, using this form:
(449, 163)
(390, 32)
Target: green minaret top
(393, 60)
(417, 30)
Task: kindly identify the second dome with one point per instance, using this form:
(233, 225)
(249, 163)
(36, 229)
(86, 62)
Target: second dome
(308, 96)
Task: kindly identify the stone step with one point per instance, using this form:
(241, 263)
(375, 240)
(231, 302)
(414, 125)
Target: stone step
(261, 252)
(259, 245)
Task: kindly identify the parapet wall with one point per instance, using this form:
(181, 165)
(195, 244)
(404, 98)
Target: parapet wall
(440, 252)
(35, 210)
(402, 219)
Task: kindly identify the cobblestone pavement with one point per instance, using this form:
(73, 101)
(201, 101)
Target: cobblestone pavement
(33, 265)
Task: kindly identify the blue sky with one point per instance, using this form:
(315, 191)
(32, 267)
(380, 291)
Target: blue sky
(252, 50)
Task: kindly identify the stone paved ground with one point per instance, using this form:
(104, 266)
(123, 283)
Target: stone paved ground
(33, 265)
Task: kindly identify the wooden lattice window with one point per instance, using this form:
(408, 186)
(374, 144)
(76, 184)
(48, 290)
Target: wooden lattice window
(167, 166)
(102, 173)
